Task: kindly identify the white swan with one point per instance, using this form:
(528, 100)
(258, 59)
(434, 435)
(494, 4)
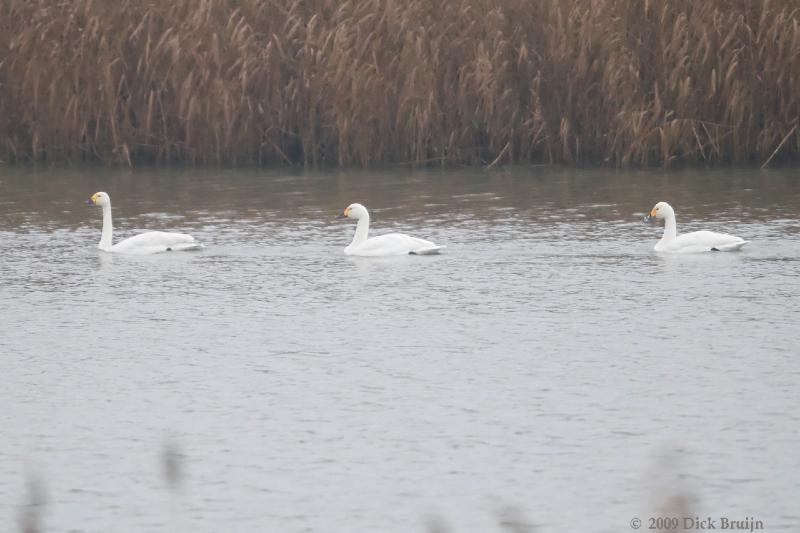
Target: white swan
(152, 242)
(697, 241)
(383, 245)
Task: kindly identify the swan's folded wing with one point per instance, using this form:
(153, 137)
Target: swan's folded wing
(704, 241)
(154, 242)
(394, 244)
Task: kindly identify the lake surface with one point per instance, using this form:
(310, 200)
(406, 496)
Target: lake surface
(548, 369)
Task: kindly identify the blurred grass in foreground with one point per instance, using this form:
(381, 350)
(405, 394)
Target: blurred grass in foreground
(665, 481)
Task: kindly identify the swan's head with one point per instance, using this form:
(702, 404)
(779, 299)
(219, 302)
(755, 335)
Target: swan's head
(100, 198)
(660, 210)
(356, 211)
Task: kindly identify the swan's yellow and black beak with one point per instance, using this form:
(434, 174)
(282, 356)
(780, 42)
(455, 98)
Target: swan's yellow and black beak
(650, 216)
(345, 213)
(92, 200)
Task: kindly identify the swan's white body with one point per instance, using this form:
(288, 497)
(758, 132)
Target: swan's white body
(383, 245)
(152, 242)
(697, 241)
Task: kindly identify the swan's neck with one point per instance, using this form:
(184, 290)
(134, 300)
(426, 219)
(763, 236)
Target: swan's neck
(670, 228)
(362, 229)
(105, 236)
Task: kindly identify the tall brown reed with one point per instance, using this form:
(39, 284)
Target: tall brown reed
(423, 81)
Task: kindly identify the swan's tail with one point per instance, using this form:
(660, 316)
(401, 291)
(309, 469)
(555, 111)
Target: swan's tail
(730, 247)
(184, 246)
(430, 250)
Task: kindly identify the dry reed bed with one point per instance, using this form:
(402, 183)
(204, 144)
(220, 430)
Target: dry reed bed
(371, 82)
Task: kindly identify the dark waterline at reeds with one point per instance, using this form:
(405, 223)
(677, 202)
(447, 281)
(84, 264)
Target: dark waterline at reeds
(620, 82)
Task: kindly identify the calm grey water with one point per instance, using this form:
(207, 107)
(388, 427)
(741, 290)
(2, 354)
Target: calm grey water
(549, 362)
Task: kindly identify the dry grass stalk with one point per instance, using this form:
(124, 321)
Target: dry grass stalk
(379, 81)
